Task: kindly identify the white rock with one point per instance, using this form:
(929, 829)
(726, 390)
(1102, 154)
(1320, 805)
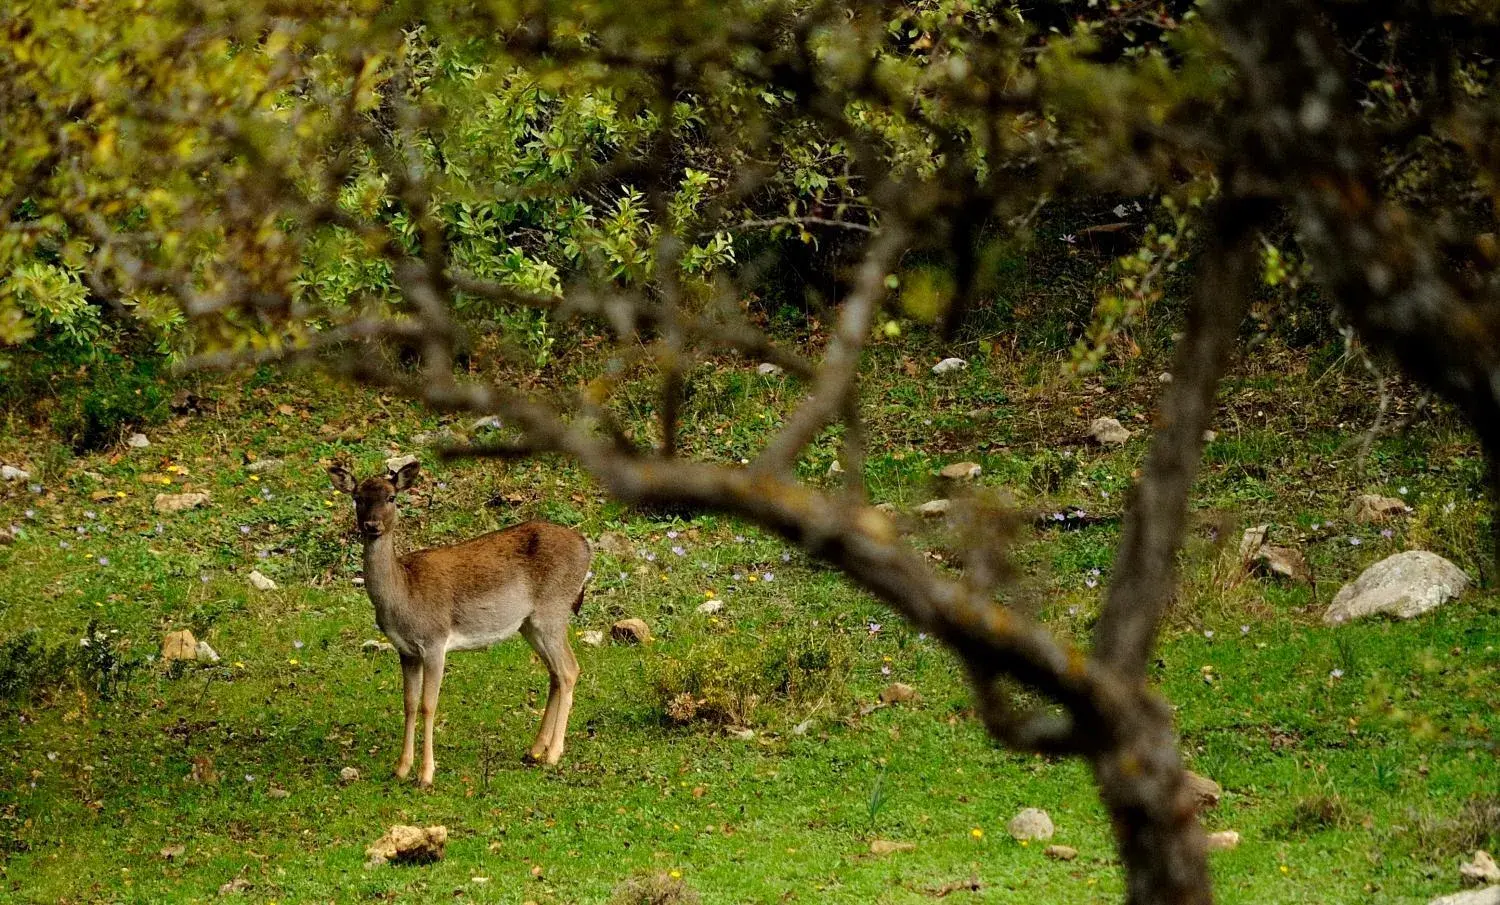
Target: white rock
(348, 775)
(1480, 871)
(1164, 377)
(261, 466)
(1108, 431)
(962, 471)
(1030, 824)
(739, 732)
(934, 508)
(12, 473)
(1222, 841)
(1209, 436)
(138, 441)
(207, 653)
(949, 364)
(396, 463)
(835, 467)
(593, 638)
(767, 369)
(261, 582)
(802, 727)
(1488, 896)
(709, 607)
(488, 422)
(1403, 586)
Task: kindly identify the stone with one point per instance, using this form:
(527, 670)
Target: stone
(206, 653)
(173, 852)
(375, 646)
(488, 422)
(962, 471)
(1060, 852)
(263, 466)
(261, 582)
(1210, 436)
(803, 727)
(835, 467)
(396, 463)
(1403, 586)
(138, 441)
(1368, 508)
(1205, 791)
(630, 631)
(1481, 871)
(739, 732)
(12, 473)
(615, 544)
(1164, 377)
(179, 645)
(949, 364)
(179, 502)
(1222, 841)
(709, 607)
(934, 508)
(1488, 896)
(237, 885)
(1032, 824)
(767, 369)
(592, 637)
(404, 844)
(898, 693)
(348, 775)
(887, 847)
(1108, 432)
(1255, 553)
(278, 793)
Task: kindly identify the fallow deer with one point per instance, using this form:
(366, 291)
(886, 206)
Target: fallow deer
(527, 578)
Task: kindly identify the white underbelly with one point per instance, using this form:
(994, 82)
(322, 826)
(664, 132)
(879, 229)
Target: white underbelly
(478, 640)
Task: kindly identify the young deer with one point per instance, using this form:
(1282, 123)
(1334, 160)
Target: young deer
(527, 578)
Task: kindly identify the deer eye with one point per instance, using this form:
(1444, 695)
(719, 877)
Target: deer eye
(391, 498)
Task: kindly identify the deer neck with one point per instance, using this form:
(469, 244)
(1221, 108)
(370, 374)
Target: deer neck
(385, 580)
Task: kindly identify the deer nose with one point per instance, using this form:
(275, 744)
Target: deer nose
(371, 527)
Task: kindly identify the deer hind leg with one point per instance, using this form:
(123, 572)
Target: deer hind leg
(432, 683)
(411, 686)
(551, 644)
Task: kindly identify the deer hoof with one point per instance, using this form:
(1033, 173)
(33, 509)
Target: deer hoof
(403, 770)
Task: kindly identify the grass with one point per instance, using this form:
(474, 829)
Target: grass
(1361, 785)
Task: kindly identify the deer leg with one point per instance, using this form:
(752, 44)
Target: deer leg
(432, 683)
(551, 644)
(411, 687)
(569, 679)
(538, 749)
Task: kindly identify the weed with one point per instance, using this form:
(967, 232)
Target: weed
(655, 889)
(724, 679)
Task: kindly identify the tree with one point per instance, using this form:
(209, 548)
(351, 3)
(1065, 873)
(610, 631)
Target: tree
(305, 182)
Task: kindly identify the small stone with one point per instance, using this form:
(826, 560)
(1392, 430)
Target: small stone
(173, 852)
(962, 471)
(1481, 871)
(138, 441)
(949, 364)
(263, 466)
(1369, 508)
(12, 473)
(261, 582)
(1205, 791)
(488, 422)
(1032, 824)
(206, 653)
(739, 732)
(1210, 436)
(179, 502)
(592, 637)
(396, 463)
(934, 508)
(1060, 852)
(835, 467)
(615, 544)
(237, 885)
(1487, 896)
(1403, 586)
(1108, 432)
(630, 631)
(278, 793)
(709, 607)
(403, 844)
(348, 775)
(887, 508)
(886, 847)
(898, 693)
(374, 646)
(1164, 377)
(802, 727)
(179, 646)
(1222, 841)
(767, 369)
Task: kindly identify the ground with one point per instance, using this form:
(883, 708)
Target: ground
(1358, 762)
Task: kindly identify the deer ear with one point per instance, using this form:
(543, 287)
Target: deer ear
(342, 479)
(407, 476)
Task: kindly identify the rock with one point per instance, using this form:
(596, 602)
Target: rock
(1482, 870)
(7, 537)
(1164, 377)
(1060, 852)
(237, 885)
(178, 502)
(261, 582)
(262, 466)
(802, 727)
(173, 852)
(739, 732)
(1108, 432)
(179, 646)
(488, 422)
(766, 369)
(630, 631)
(886, 847)
(898, 693)
(887, 508)
(374, 646)
(1368, 508)
(949, 364)
(396, 463)
(615, 544)
(1403, 586)
(348, 775)
(1205, 791)
(934, 508)
(138, 441)
(206, 653)
(12, 473)
(835, 467)
(1222, 841)
(709, 607)
(432, 438)
(1030, 824)
(593, 638)
(962, 471)
(404, 844)
(1487, 896)
(1255, 553)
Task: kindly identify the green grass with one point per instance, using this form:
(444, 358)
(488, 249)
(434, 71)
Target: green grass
(1367, 786)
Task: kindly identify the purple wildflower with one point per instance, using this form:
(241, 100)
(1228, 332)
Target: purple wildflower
(874, 628)
(679, 551)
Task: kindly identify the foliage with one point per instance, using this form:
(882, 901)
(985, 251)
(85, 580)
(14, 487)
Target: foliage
(726, 679)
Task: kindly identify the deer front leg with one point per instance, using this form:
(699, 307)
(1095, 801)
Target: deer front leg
(411, 689)
(432, 683)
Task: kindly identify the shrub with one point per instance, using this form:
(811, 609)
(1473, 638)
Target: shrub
(657, 889)
(724, 679)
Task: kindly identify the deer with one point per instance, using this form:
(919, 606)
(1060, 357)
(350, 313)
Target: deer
(528, 578)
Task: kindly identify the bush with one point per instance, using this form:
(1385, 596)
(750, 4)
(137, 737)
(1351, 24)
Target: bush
(657, 889)
(723, 679)
(29, 668)
(91, 396)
